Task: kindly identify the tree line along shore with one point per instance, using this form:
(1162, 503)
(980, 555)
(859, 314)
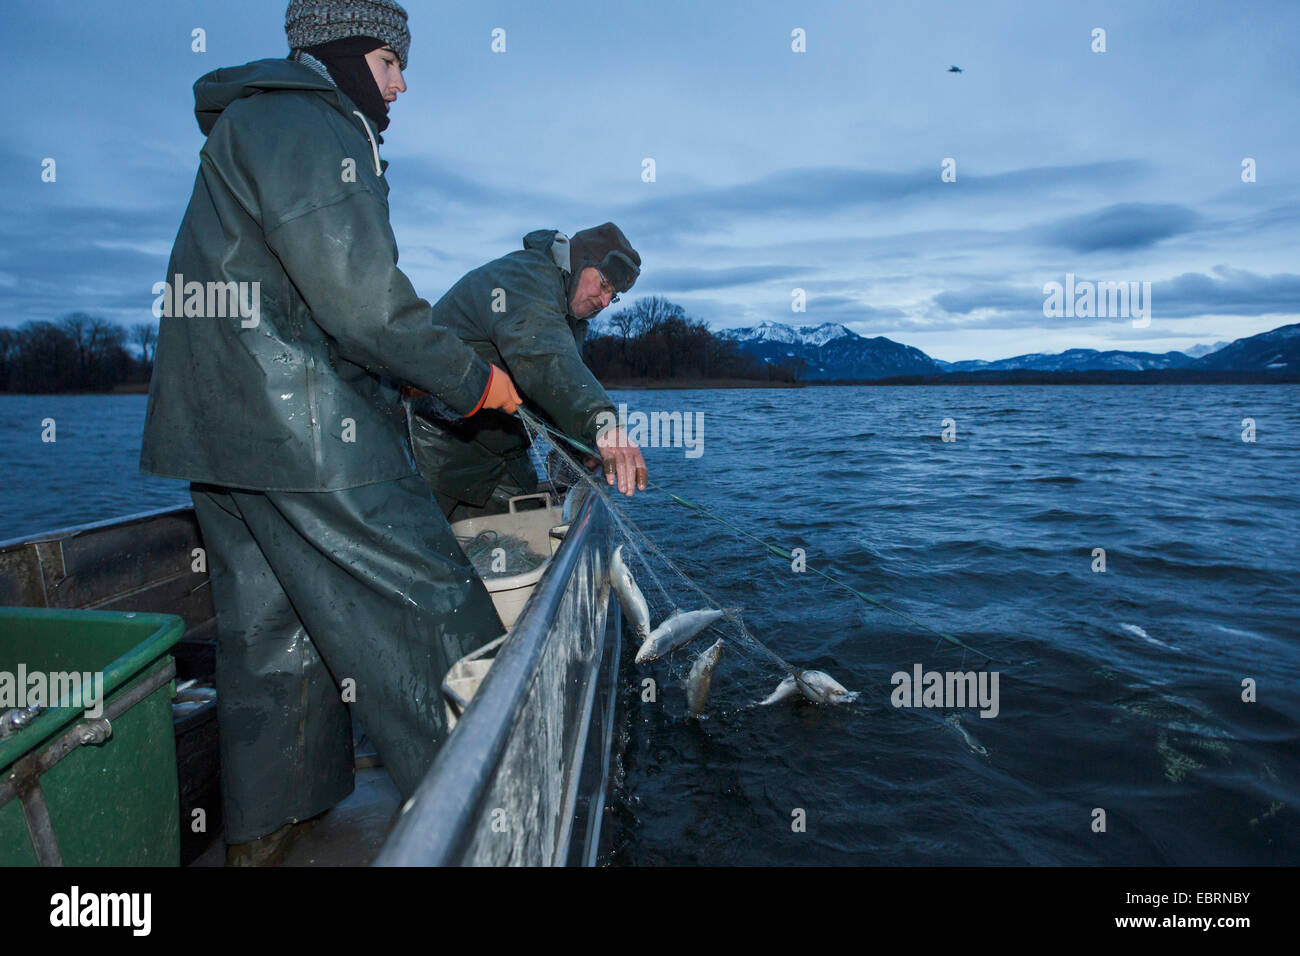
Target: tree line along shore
(652, 343)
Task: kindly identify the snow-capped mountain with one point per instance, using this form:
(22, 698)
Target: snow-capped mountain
(1275, 351)
(814, 335)
(831, 351)
(819, 335)
(1200, 351)
(1076, 360)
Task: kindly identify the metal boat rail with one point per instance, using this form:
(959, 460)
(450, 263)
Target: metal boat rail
(522, 778)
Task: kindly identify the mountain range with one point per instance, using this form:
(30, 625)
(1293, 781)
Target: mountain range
(832, 351)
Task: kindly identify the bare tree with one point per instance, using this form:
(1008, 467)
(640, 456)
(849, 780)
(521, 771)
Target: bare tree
(650, 313)
(624, 322)
(45, 359)
(77, 328)
(10, 345)
(101, 360)
(145, 335)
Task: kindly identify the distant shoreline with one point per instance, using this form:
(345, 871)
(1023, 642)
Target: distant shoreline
(1090, 377)
(634, 384)
(1001, 377)
(136, 388)
(1013, 377)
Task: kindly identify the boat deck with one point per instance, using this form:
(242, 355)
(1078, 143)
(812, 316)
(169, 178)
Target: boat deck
(348, 834)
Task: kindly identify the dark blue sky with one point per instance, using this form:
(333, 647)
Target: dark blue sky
(775, 169)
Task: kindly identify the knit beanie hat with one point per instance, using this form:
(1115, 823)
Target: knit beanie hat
(606, 248)
(309, 23)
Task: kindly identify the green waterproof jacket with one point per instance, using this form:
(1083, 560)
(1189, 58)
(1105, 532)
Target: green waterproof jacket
(289, 215)
(514, 312)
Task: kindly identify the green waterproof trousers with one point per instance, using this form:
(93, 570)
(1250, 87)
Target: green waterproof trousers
(325, 599)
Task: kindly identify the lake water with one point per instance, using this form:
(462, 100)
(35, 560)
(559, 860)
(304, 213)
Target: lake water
(1118, 691)
(89, 472)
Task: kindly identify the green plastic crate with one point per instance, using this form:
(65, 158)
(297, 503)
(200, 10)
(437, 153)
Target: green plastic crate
(112, 803)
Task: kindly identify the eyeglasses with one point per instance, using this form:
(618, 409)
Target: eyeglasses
(606, 288)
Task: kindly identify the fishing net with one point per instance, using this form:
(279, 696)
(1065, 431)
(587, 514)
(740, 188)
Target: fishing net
(666, 587)
(572, 469)
(500, 555)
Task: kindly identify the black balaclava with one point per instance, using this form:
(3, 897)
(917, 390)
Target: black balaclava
(346, 61)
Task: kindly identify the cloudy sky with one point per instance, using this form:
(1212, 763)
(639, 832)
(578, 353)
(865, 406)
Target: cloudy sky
(774, 170)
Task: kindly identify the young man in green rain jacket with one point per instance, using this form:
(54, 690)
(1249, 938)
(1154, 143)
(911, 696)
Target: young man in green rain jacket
(287, 331)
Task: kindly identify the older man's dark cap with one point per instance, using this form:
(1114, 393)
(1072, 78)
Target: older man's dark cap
(606, 248)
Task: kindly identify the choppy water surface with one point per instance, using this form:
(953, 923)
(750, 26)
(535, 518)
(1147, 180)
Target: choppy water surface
(1120, 691)
(89, 472)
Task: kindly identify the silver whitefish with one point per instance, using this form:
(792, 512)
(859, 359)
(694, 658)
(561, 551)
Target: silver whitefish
(701, 678)
(674, 632)
(629, 596)
(818, 686)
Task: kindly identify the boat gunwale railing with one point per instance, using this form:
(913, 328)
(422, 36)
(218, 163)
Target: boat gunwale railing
(436, 825)
(42, 537)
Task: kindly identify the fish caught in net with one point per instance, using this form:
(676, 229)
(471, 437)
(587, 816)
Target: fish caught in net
(677, 610)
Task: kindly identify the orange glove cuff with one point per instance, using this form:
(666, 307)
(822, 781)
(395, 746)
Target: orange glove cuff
(486, 391)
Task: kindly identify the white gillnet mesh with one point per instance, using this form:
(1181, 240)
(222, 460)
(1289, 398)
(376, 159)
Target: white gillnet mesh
(666, 587)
